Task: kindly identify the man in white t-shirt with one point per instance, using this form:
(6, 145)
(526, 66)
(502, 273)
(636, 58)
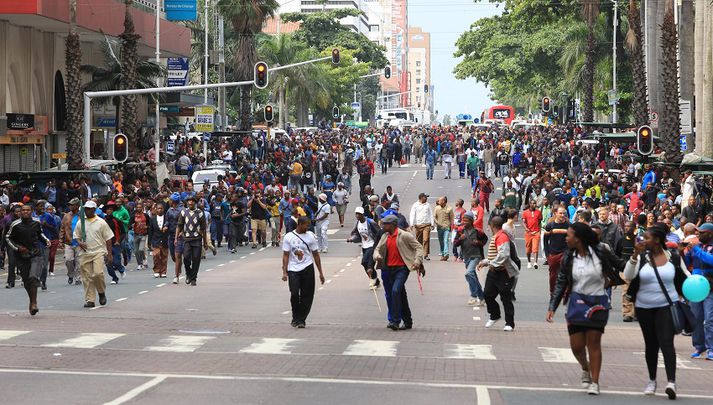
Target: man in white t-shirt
(321, 218)
(299, 255)
(366, 231)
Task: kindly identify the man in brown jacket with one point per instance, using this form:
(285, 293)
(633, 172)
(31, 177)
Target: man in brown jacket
(69, 221)
(397, 253)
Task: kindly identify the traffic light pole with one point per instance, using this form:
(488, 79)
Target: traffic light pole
(307, 62)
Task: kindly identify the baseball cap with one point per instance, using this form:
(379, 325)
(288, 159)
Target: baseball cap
(390, 219)
(90, 204)
(75, 201)
(5, 183)
(111, 204)
(469, 215)
(394, 206)
(374, 198)
(423, 195)
(359, 210)
(323, 197)
(175, 197)
(706, 227)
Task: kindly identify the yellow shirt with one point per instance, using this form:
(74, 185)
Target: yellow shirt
(297, 169)
(97, 232)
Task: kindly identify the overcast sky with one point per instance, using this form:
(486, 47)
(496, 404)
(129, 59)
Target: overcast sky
(446, 21)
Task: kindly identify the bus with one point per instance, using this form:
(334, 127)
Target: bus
(499, 112)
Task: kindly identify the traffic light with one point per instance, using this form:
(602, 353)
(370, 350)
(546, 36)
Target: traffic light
(645, 140)
(335, 56)
(121, 148)
(387, 72)
(425, 88)
(269, 115)
(335, 112)
(545, 104)
(261, 78)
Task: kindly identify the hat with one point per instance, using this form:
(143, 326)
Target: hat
(394, 206)
(323, 197)
(340, 184)
(75, 201)
(423, 195)
(295, 201)
(359, 210)
(190, 197)
(374, 198)
(121, 195)
(469, 215)
(90, 204)
(175, 197)
(5, 183)
(390, 219)
(111, 203)
(706, 227)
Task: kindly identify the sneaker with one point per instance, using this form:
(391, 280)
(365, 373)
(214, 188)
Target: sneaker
(529, 265)
(586, 379)
(508, 328)
(535, 266)
(155, 275)
(89, 304)
(473, 302)
(628, 319)
(175, 280)
(593, 389)
(491, 322)
(377, 283)
(325, 250)
(697, 354)
(710, 355)
(77, 282)
(372, 284)
(51, 274)
(70, 280)
(44, 286)
(163, 276)
(671, 390)
(123, 274)
(114, 282)
(650, 388)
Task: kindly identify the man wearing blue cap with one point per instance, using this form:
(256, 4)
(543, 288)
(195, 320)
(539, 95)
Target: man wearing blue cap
(701, 259)
(175, 245)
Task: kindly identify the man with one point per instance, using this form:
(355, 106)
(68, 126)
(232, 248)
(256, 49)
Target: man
(94, 240)
(69, 222)
(501, 275)
(628, 242)
(532, 218)
(192, 228)
(556, 232)
(396, 254)
(321, 217)
(216, 220)
(257, 205)
(430, 159)
(51, 227)
(611, 234)
(105, 182)
(238, 211)
(472, 165)
(25, 239)
(300, 253)
(341, 199)
(139, 224)
(700, 258)
(421, 219)
(117, 230)
(366, 231)
(175, 246)
(443, 217)
(484, 186)
(692, 212)
(447, 163)
(158, 240)
(471, 241)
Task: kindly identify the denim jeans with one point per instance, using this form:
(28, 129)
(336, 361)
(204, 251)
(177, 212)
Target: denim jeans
(444, 235)
(394, 279)
(429, 171)
(476, 290)
(216, 230)
(703, 334)
(115, 264)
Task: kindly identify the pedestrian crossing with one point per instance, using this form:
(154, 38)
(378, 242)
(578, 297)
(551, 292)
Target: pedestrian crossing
(227, 343)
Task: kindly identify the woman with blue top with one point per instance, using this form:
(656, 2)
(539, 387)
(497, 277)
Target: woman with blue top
(328, 187)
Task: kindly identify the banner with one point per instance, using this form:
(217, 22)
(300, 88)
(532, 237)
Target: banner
(180, 10)
(177, 69)
(204, 118)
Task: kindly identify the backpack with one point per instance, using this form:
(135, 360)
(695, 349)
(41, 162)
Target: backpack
(513, 255)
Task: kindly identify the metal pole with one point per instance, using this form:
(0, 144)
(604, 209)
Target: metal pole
(221, 71)
(616, 24)
(205, 45)
(87, 126)
(157, 137)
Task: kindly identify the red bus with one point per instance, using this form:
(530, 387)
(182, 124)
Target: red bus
(499, 112)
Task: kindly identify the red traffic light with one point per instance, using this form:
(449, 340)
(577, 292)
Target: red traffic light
(121, 148)
(261, 75)
(335, 56)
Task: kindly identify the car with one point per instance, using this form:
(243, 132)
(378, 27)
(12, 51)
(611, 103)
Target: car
(613, 173)
(211, 174)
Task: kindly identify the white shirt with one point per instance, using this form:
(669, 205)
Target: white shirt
(322, 209)
(587, 276)
(304, 244)
(421, 214)
(159, 220)
(366, 240)
(650, 294)
(340, 196)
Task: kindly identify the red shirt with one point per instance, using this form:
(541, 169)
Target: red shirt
(393, 257)
(532, 220)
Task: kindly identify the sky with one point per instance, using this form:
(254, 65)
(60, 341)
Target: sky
(446, 20)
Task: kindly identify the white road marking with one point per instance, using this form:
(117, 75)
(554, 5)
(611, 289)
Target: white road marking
(271, 346)
(208, 270)
(342, 270)
(86, 340)
(482, 395)
(243, 257)
(476, 318)
(336, 275)
(285, 312)
(476, 308)
(376, 348)
(320, 289)
(261, 249)
(328, 281)
(680, 363)
(143, 292)
(252, 253)
(137, 391)
(557, 355)
(477, 352)
(9, 334)
(179, 343)
(332, 231)
(120, 299)
(348, 264)
(232, 261)
(160, 285)
(221, 265)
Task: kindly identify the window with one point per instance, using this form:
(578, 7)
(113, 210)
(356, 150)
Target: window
(418, 63)
(418, 81)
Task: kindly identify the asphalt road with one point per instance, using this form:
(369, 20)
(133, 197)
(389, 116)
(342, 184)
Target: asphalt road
(228, 340)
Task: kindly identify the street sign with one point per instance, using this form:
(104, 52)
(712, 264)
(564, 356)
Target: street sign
(180, 10)
(170, 146)
(169, 109)
(206, 137)
(653, 117)
(613, 97)
(106, 122)
(177, 70)
(355, 106)
(683, 141)
(204, 118)
(60, 155)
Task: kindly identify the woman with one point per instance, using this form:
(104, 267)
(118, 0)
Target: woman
(587, 270)
(646, 273)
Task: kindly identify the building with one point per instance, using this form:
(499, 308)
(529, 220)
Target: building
(32, 69)
(359, 23)
(419, 69)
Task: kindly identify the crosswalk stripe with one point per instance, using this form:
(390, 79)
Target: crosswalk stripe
(332, 231)
(9, 334)
(557, 355)
(376, 348)
(86, 340)
(477, 352)
(179, 343)
(271, 346)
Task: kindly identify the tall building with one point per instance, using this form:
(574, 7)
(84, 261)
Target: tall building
(419, 69)
(359, 23)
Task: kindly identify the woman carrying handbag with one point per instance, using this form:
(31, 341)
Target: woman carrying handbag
(656, 280)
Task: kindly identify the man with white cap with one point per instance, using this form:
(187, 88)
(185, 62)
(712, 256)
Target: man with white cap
(341, 199)
(94, 240)
(366, 231)
(321, 217)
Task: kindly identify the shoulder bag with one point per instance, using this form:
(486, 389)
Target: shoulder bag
(681, 314)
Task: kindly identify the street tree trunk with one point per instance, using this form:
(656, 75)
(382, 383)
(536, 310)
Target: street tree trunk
(73, 60)
(282, 107)
(129, 62)
(243, 64)
(635, 44)
(670, 128)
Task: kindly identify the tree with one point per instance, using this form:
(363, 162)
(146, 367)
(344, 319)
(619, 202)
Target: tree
(634, 43)
(670, 125)
(590, 14)
(246, 18)
(446, 120)
(704, 78)
(129, 60)
(73, 58)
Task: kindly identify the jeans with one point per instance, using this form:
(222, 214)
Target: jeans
(461, 169)
(394, 279)
(443, 240)
(216, 230)
(140, 249)
(115, 264)
(476, 290)
(703, 334)
(499, 283)
(322, 237)
(192, 258)
(384, 165)
(367, 261)
(301, 292)
(45, 263)
(429, 171)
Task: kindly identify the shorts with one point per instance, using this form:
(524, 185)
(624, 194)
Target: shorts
(532, 242)
(179, 246)
(341, 209)
(572, 329)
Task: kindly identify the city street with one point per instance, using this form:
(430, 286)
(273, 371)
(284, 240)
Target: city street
(229, 340)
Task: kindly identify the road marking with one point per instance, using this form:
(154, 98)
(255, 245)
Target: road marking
(332, 231)
(143, 292)
(476, 318)
(120, 299)
(160, 285)
(348, 264)
(221, 265)
(680, 363)
(328, 281)
(476, 308)
(252, 253)
(137, 391)
(271, 346)
(482, 395)
(342, 270)
(336, 275)
(557, 355)
(285, 312)
(208, 270)
(86, 340)
(243, 257)
(179, 343)
(232, 261)
(320, 289)
(9, 334)
(261, 249)
(376, 348)
(477, 352)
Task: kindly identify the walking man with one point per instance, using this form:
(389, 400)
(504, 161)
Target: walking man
(300, 253)
(444, 222)
(322, 223)
(367, 232)
(556, 231)
(69, 222)
(421, 219)
(501, 275)
(158, 239)
(192, 228)
(94, 240)
(471, 241)
(532, 217)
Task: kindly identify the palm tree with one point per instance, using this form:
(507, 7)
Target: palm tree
(703, 77)
(590, 14)
(129, 62)
(670, 126)
(635, 43)
(247, 18)
(73, 58)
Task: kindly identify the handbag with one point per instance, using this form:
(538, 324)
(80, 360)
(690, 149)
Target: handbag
(587, 310)
(681, 314)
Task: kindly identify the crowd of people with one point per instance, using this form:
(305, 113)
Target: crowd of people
(598, 216)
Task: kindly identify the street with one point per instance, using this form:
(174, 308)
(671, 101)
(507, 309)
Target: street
(229, 340)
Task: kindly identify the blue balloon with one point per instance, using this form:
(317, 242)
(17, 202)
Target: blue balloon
(696, 288)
